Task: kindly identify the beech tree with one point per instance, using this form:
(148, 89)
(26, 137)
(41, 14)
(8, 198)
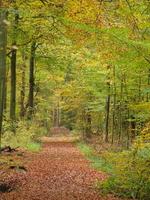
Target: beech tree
(3, 46)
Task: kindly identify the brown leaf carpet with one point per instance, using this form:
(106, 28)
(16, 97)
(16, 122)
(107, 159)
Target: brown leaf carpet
(58, 172)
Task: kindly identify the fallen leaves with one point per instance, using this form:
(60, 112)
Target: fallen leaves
(58, 172)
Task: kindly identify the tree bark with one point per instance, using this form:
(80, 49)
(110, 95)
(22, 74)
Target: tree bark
(148, 84)
(31, 80)
(140, 84)
(57, 114)
(23, 82)
(13, 71)
(88, 125)
(6, 87)
(120, 110)
(114, 105)
(107, 108)
(3, 45)
(13, 85)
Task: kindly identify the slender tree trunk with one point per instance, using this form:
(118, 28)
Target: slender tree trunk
(58, 114)
(140, 82)
(88, 125)
(31, 80)
(13, 85)
(3, 45)
(128, 133)
(114, 104)
(148, 83)
(22, 92)
(83, 119)
(13, 73)
(6, 83)
(127, 113)
(107, 109)
(133, 127)
(107, 118)
(120, 112)
(54, 116)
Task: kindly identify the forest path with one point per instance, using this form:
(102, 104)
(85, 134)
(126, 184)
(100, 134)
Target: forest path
(58, 172)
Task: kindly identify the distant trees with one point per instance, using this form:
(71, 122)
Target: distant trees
(120, 40)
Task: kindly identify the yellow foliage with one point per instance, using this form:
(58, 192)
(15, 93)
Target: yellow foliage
(144, 139)
(87, 11)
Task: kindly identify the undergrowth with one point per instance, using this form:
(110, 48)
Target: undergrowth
(129, 171)
(26, 136)
(131, 175)
(97, 162)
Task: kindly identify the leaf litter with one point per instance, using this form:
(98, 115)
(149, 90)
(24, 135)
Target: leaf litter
(58, 172)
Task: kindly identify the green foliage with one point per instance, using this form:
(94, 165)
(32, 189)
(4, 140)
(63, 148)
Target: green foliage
(33, 146)
(26, 136)
(131, 174)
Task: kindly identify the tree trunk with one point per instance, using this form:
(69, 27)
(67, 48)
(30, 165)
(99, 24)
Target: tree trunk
(128, 134)
(133, 127)
(88, 125)
(31, 80)
(13, 85)
(13, 72)
(6, 83)
(120, 110)
(114, 105)
(57, 114)
(140, 84)
(22, 92)
(107, 108)
(3, 45)
(148, 84)
(107, 118)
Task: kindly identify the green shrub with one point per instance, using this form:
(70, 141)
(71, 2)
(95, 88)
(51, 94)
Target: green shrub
(27, 136)
(131, 174)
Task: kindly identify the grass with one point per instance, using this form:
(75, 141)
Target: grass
(30, 146)
(22, 142)
(97, 162)
(33, 146)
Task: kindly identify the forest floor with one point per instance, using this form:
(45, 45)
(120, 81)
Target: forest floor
(58, 172)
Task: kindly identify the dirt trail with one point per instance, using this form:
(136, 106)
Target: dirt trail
(58, 172)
